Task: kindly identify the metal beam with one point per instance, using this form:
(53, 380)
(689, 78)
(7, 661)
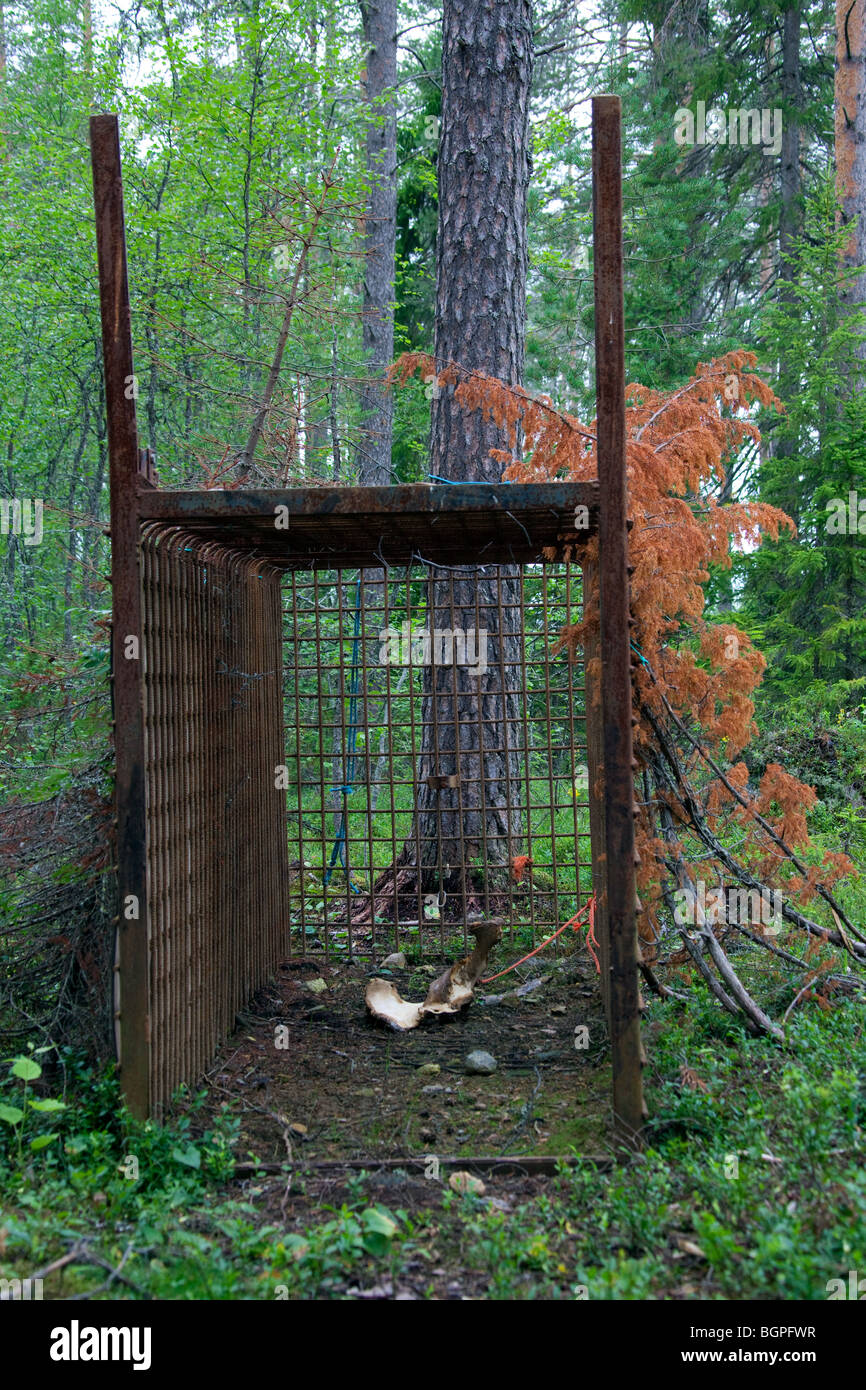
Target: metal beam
(132, 1015)
(354, 527)
(619, 850)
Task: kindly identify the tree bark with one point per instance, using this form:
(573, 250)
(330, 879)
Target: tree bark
(379, 18)
(484, 166)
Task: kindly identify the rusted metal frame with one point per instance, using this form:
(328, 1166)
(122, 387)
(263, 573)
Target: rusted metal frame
(409, 779)
(324, 702)
(169, 1061)
(548, 733)
(577, 802)
(132, 479)
(389, 740)
(276, 827)
(225, 788)
(527, 751)
(216, 754)
(241, 620)
(260, 786)
(134, 1002)
(161, 925)
(243, 633)
(548, 676)
(530, 672)
(244, 626)
(185, 1058)
(281, 826)
(295, 705)
(355, 668)
(594, 761)
(303, 611)
(154, 763)
(614, 598)
(232, 618)
(363, 724)
(221, 714)
(250, 653)
(459, 500)
(413, 744)
(510, 810)
(243, 616)
(434, 704)
(482, 789)
(336, 734)
(180, 1060)
(518, 666)
(160, 825)
(198, 800)
(264, 941)
(181, 728)
(341, 528)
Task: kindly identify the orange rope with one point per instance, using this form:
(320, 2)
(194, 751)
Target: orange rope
(573, 922)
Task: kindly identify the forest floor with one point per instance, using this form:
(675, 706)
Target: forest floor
(317, 1083)
(751, 1183)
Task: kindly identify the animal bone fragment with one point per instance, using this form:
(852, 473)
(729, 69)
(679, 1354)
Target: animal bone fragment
(448, 994)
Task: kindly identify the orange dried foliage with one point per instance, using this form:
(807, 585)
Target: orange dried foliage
(519, 864)
(677, 446)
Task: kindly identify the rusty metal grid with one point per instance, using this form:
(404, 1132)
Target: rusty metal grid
(198, 756)
(217, 872)
(375, 786)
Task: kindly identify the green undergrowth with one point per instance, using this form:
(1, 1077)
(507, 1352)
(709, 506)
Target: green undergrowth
(752, 1186)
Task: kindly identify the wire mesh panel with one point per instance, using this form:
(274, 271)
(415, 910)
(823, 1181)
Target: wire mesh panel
(216, 833)
(436, 768)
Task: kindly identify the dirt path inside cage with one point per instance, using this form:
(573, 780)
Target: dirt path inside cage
(315, 1079)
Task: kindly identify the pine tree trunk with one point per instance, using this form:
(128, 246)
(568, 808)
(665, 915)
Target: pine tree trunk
(484, 167)
(379, 19)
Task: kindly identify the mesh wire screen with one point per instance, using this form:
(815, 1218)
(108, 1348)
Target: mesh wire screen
(436, 768)
(216, 852)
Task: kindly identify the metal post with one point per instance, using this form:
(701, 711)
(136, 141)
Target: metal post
(132, 1008)
(595, 775)
(614, 595)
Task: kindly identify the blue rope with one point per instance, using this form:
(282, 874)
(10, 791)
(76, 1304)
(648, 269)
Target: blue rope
(346, 789)
(457, 482)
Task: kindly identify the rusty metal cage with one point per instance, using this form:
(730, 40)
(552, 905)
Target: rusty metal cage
(253, 710)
